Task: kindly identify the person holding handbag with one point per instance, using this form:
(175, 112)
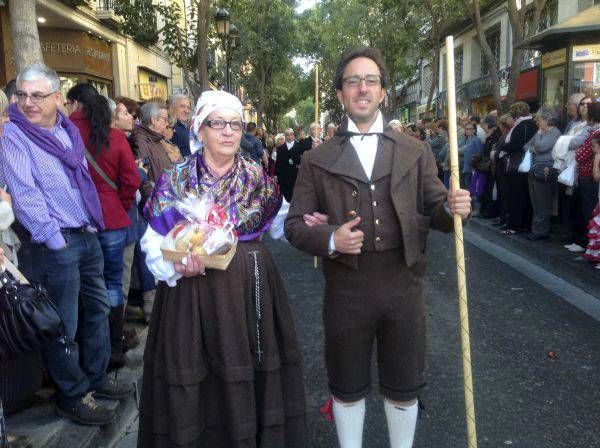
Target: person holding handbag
(55, 199)
(116, 178)
(6, 219)
(518, 204)
(542, 177)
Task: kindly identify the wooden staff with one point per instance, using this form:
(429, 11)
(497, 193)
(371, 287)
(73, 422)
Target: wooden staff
(315, 259)
(460, 250)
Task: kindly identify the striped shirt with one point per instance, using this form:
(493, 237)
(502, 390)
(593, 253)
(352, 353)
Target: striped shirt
(44, 201)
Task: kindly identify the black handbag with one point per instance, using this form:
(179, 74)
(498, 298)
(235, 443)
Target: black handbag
(544, 172)
(28, 319)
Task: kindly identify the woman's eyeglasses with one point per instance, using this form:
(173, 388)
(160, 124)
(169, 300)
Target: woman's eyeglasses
(235, 125)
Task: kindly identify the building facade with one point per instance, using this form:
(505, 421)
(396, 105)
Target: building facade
(83, 44)
(561, 57)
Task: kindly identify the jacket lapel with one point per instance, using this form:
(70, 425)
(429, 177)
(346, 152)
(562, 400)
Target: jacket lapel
(348, 164)
(407, 151)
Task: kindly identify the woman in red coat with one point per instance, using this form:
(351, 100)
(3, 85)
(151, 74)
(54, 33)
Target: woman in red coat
(116, 181)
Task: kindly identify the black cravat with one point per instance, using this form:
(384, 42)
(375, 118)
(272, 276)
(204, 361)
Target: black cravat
(349, 134)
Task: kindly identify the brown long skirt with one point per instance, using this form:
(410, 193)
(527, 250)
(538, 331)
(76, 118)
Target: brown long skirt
(222, 366)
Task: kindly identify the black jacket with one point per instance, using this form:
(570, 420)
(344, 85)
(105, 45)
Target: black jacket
(286, 167)
(181, 138)
(520, 135)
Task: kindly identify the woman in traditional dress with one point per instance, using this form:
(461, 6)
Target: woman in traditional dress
(222, 365)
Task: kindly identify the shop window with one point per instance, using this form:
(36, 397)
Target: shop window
(493, 39)
(66, 82)
(586, 78)
(102, 87)
(554, 90)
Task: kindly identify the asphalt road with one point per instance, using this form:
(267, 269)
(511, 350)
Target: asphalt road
(523, 397)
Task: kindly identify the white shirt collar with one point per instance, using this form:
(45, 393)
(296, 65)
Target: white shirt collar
(377, 125)
(289, 144)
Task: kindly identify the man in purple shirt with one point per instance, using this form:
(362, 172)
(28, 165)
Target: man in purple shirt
(54, 198)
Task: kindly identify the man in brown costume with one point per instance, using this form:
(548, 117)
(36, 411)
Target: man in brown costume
(381, 194)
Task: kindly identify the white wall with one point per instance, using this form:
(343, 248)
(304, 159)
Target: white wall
(472, 51)
(138, 56)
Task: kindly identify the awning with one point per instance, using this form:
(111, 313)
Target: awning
(527, 85)
(587, 21)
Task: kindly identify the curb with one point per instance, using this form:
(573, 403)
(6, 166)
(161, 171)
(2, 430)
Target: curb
(48, 430)
(547, 254)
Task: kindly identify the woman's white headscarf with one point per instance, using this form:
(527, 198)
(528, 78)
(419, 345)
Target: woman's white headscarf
(208, 102)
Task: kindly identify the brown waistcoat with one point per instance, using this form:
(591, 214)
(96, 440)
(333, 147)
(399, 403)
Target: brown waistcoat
(375, 207)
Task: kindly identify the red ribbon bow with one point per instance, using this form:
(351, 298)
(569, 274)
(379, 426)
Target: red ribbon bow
(216, 216)
(327, 410)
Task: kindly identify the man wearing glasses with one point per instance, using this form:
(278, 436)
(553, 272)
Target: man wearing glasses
(381, 194)
(54, 198)
(149, 142)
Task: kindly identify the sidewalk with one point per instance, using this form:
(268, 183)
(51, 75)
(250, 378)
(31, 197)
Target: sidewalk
(48, 430)
(547, 254)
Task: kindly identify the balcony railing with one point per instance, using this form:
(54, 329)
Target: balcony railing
(105, 12)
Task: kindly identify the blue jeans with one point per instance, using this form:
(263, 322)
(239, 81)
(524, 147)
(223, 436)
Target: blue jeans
(73, 276)
(113, 247)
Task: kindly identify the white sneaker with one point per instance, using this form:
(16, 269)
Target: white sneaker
(598, 266)
(576, 248)
(568, 246)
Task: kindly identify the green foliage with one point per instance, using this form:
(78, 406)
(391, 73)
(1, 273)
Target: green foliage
(139, 19)
(305, 112)
(336, 25)
(262, 62)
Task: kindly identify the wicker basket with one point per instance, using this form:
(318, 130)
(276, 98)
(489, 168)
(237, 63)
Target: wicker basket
(219, 262)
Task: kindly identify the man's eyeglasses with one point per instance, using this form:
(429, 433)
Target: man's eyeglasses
(36, 98)
(370, 80)
(235, 125)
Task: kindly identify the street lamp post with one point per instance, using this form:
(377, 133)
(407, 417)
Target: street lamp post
(228, 33)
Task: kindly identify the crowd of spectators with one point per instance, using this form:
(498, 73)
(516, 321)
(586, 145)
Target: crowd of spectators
(522, 169)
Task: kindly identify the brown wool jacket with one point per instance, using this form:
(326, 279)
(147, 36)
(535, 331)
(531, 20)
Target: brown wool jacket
(328, 176)
(160, 152)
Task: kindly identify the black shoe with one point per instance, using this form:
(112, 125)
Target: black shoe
(87, 412)
(114, 390)
(536, 237)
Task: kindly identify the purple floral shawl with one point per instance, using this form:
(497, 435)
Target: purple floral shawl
(250, 197)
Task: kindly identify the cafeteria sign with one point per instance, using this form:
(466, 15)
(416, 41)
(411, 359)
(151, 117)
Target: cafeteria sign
(586, 52)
